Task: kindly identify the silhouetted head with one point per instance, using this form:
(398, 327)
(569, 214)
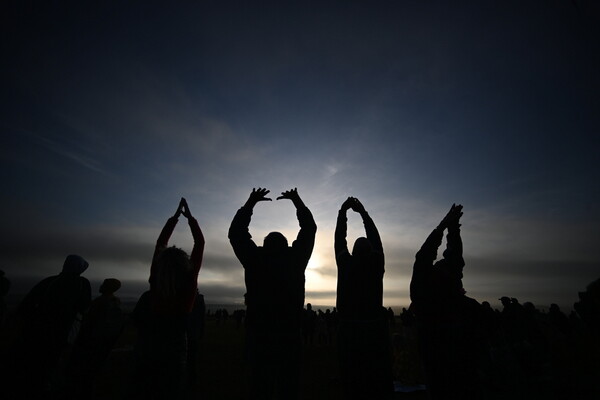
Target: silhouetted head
(529, 307)
(173, 269)
(593, 289)
(109, 286)
(308, 306)
(74, 265)
(275, 242)
(362, 246)
(505, 301)
(448, 275)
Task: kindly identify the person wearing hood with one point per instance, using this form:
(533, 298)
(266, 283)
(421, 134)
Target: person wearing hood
(47, 318)
(363, 336)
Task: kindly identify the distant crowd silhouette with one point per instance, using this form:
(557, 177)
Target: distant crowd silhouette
(466, 350)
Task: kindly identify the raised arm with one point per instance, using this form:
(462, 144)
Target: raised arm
(198, 250)
(195, 257)
(305, 240)
(239, 233)
(340, 243)
(370, 228)
(163, 239)
(420, 283)
(428, 252)
(454, 247)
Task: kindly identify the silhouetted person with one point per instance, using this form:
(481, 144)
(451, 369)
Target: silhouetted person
(559, 319)
(161, 314)
(46, 317)
(588, 307)
(364, 344)
(513, 321)
(448, 321)
(239, 316)
(309, 324)
(391, 317)
(407, 318)
(4, 288)
(194, 333)
(274, 275)
(101, 327)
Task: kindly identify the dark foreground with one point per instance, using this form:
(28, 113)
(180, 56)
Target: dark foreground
(572, 370)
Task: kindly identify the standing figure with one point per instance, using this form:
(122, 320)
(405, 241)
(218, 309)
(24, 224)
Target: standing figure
(449, 322)
(47, 318)
(274, 275)
(101, 327)
(363, 334)
(194, 333)
(161, 314)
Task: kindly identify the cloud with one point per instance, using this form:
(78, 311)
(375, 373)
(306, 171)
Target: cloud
(74, 154)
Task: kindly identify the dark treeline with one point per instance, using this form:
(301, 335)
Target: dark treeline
(446, 345)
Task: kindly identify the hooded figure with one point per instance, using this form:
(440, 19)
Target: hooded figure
(46, 320)
(52, 305)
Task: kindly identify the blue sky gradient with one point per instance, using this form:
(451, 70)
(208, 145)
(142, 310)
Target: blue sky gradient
(111, 114)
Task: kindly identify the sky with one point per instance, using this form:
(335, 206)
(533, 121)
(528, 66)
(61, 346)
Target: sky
(112, 112)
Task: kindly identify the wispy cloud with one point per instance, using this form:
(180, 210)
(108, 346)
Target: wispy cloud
(71, 154)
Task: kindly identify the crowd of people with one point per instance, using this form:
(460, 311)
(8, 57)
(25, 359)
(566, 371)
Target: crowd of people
(467, 350)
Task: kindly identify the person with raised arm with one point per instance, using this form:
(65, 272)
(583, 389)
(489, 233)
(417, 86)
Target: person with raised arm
(432, 281)
(449, 323)
(274, 275)
(161, 314)
(363, 336)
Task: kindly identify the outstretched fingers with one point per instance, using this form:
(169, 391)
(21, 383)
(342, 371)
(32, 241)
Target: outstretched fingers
(289, 194)
(260, 194)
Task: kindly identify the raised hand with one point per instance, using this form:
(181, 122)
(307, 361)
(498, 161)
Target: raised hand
(290, 194)
(293, 196)
(346, 205)
(453, 217)
(256, 196)
(357, 206)
(186, 209)
(179, 208)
